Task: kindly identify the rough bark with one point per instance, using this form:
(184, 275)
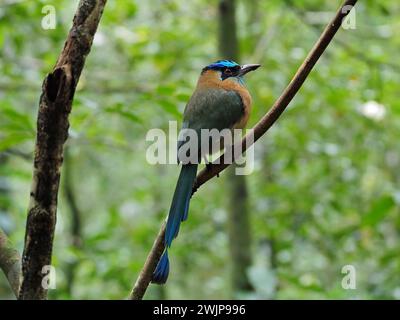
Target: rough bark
(236, 191)
(52, 131)
(260, 129)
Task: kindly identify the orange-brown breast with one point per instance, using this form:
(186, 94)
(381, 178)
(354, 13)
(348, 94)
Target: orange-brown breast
(211, 79)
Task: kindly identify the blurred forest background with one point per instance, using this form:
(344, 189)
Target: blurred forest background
(325, 192)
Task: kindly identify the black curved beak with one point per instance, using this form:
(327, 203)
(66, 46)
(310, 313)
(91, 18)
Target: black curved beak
(247, 68)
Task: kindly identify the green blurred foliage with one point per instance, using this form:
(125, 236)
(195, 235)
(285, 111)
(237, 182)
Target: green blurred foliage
(325, 191)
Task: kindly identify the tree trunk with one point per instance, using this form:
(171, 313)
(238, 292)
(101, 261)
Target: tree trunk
(52, 131)
(238, 219)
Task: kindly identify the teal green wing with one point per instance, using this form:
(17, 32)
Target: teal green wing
(213, 109)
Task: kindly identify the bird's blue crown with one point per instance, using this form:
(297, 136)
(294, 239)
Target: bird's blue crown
(221, 64)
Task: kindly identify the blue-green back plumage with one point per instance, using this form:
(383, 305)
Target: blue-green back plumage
(211, 108)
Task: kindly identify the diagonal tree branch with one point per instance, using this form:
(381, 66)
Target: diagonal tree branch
(259, 130)
(10, 262)
(52, 131)
(291, 90)
(150, 265)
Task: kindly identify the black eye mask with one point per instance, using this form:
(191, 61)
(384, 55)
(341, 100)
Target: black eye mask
(230, 72)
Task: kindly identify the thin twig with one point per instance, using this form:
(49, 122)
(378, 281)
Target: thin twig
(359, 55)
(259, 130)
(10, 262)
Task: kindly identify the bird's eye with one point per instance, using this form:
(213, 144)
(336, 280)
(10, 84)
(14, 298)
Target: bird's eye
(228, 71)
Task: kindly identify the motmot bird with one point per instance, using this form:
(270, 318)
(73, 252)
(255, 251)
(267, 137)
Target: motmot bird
(220, 101)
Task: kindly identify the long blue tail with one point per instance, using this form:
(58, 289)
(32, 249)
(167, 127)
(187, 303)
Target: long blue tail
(177, 213)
